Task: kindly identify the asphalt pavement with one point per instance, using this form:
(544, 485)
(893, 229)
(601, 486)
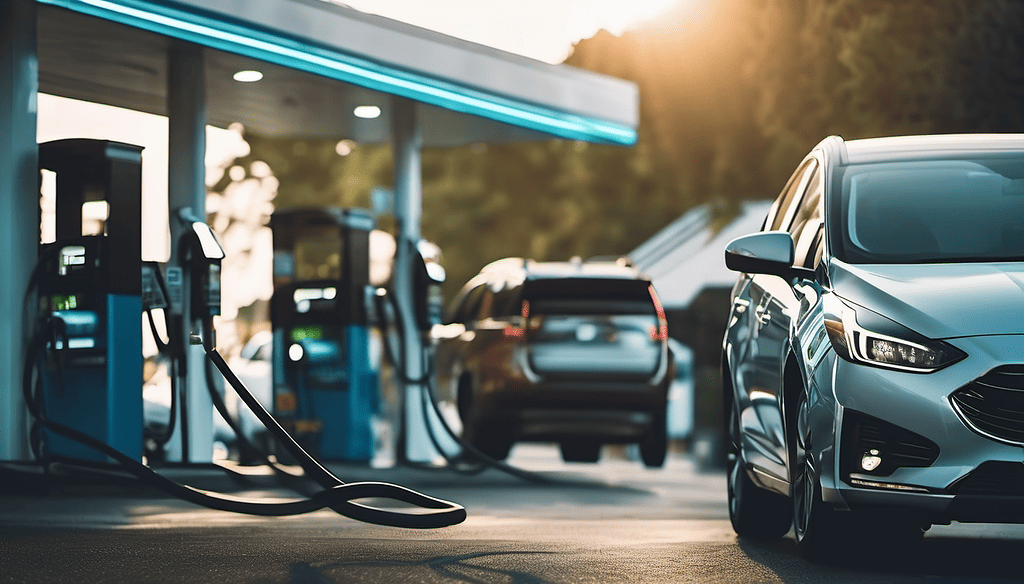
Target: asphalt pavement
(614, 521)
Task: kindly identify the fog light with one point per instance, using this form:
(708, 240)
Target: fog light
(295, 352)
(870, 460)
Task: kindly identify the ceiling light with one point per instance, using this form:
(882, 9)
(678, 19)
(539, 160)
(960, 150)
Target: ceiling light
(367, 111)
(248, 76)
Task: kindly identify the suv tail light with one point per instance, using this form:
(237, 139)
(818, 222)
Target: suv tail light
(661, 332)
(519, 332)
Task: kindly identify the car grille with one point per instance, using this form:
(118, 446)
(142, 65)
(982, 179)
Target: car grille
(993, 404)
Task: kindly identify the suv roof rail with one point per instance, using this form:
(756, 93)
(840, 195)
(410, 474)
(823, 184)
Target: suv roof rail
(612, 259)
(506, 265)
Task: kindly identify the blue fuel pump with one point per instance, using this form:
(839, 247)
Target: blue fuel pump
(82, 374)
(325, 387)
(90, 300)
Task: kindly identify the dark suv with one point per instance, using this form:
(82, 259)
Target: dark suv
(569, 352)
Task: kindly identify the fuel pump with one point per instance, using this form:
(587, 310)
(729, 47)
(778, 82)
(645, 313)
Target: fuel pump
(90, 299)
(325, 388)
(82, 373)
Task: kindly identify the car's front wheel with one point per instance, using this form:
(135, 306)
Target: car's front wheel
(818, 528)
(753, 511)
(824, 533)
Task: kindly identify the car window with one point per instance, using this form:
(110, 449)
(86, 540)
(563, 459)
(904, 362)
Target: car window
(466, 304)
(507, 302)
(471, 307)
(807, 224)
(781, 213)
(589, 296)
(931, 211)
(484, 305)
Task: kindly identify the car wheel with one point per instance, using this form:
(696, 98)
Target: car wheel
(580, 451)
(753, 511)
(654, 444)
(819, 530)
(464, 398)
(490, 442)
(496, 448)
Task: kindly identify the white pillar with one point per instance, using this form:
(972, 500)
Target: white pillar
(19, 211)
(186, 190)
(414, 444)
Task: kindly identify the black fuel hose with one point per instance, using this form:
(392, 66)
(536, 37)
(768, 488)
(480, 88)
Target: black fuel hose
(244, 445)
(425, 382)
(337, 495)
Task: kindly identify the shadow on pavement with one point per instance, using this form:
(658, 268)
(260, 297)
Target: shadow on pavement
(457, 568)
(933, 560)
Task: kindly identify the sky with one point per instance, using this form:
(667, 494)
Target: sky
(540, 29)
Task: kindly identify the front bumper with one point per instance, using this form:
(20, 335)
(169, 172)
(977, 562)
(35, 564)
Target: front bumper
(972, 478)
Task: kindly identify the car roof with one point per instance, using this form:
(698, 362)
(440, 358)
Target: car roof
(573, 269)
(931, 146)
(520, 269)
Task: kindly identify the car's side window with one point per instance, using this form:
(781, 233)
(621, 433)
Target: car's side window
(468, 306)
(505, 304)
(486, 301)
(781, 214)
(807, 224)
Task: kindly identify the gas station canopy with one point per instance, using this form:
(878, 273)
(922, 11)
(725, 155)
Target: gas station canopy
(320, 60)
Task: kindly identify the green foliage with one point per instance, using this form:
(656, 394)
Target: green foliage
(864, 68)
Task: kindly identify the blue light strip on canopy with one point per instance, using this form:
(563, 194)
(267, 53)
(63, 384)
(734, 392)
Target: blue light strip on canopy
(212, 31)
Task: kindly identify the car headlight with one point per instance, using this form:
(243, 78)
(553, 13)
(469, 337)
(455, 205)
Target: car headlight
(881, 342)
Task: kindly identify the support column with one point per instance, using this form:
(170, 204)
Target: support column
(414, 445)
(186, 194)
(19, 211)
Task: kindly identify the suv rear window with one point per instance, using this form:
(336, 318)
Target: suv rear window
(588, 296)
(592, 328)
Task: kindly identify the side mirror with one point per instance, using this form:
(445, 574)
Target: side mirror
(767, 252)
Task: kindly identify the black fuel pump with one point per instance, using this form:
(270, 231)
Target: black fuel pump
(89, 289)
(325, 388)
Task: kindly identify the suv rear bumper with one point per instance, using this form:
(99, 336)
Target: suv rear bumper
(612, 412)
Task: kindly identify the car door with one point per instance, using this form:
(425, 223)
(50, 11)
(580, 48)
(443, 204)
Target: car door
(773, 306)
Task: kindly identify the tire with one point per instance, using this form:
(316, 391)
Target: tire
(491, 443)
(821, 532)
(580, 451)
(654, 444)
(754, 512)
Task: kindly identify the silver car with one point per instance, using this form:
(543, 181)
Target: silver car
(873, 362)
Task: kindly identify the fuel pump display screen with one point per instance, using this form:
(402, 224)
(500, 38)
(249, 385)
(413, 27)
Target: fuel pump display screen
(314, 299)
(307, 332)
(63, 302)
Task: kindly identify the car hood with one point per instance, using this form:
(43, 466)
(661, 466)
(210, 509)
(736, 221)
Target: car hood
(939, 300)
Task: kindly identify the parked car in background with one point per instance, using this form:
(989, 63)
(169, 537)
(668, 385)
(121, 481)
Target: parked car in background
(873, 362)
(568, 352)
(254, 368)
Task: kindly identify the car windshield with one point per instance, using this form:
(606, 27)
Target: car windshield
(930, 211)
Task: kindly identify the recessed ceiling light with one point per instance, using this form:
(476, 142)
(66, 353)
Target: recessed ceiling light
(248, 76)
(367, 111)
